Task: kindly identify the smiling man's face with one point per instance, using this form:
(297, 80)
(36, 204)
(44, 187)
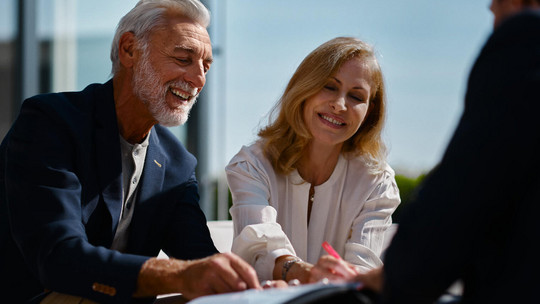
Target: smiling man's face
(171, 72)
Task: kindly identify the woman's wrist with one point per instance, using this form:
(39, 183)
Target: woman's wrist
(287, 265)
(282, 266)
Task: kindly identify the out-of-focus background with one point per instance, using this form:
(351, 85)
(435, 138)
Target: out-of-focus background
(426, 49)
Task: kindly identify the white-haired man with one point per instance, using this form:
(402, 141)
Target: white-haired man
(92, 184)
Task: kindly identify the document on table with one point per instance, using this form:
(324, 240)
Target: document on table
(277, 295)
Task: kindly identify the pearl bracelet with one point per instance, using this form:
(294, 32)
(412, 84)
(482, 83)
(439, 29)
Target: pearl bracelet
(286, 266)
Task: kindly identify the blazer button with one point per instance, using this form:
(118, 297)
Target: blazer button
(106, 289)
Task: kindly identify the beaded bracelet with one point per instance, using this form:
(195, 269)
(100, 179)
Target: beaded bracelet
(286, 266)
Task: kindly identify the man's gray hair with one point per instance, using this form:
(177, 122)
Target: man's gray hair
(148, 15)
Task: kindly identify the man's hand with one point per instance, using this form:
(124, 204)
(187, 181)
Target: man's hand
(219, 273)
(224, 272)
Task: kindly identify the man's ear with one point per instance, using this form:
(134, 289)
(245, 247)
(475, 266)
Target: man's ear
(127, 49)
(519, 4)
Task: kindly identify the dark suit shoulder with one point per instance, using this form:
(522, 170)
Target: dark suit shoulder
(70, 97)
(508, 65)
(74, 112)
(523, 29)
(69, 103)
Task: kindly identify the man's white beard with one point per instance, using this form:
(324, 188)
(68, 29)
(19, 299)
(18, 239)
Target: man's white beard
(147, 87)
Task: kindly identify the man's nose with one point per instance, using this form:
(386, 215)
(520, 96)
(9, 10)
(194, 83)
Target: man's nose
(196, 76)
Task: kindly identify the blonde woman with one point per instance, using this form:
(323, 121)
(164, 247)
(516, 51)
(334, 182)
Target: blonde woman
(318, 172)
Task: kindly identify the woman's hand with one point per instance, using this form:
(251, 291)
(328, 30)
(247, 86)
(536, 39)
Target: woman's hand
(274, 284)
(327, 267)
(333, 269)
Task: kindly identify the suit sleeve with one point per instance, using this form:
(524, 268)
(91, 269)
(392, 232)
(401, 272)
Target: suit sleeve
(44, 201)
(187, 235)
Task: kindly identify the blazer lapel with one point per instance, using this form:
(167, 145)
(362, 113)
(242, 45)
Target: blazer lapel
(154, 169)
(108, 155)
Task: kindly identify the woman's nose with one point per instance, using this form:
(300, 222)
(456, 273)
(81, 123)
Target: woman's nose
(338, 103)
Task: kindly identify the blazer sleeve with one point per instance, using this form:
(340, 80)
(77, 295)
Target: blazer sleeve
(44, 195)
(186, 234)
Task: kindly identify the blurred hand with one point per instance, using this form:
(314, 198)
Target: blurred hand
(274, 284)
(332, 269)
(372, 279)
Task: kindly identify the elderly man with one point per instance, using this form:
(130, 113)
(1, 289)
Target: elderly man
(476, 216)
(92, 185)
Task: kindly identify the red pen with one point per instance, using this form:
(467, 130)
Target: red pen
(330, 250)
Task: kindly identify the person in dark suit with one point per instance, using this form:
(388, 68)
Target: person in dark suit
(474, 218)
(92, 185)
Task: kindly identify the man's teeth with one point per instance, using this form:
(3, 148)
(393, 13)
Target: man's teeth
(332, 120)
(180, 94)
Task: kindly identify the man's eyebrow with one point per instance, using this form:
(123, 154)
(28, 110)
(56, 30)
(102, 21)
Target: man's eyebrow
(187, 49)
(182, 48)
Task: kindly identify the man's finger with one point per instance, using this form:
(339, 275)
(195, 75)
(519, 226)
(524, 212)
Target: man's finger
(245, 271)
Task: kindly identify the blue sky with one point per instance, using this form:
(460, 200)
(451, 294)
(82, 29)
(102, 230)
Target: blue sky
(426, 49)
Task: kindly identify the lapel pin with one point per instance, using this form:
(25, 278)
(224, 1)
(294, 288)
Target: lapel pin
(157, 163)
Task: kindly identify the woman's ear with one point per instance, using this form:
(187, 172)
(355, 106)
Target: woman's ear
(126, 49)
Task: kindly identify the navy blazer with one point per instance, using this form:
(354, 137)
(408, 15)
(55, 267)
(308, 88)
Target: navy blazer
(61, 196)
(475, 217)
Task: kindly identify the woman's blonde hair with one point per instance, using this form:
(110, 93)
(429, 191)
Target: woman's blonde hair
(286, 137)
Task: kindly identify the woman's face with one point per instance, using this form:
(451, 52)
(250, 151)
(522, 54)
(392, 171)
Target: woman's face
(334, 114)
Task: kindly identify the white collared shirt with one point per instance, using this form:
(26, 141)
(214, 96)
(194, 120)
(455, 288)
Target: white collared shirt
(133, 157)
(351, 210)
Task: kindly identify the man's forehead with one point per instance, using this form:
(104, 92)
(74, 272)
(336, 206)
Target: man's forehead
(188, 28)
(185, 35)
(189, 25)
